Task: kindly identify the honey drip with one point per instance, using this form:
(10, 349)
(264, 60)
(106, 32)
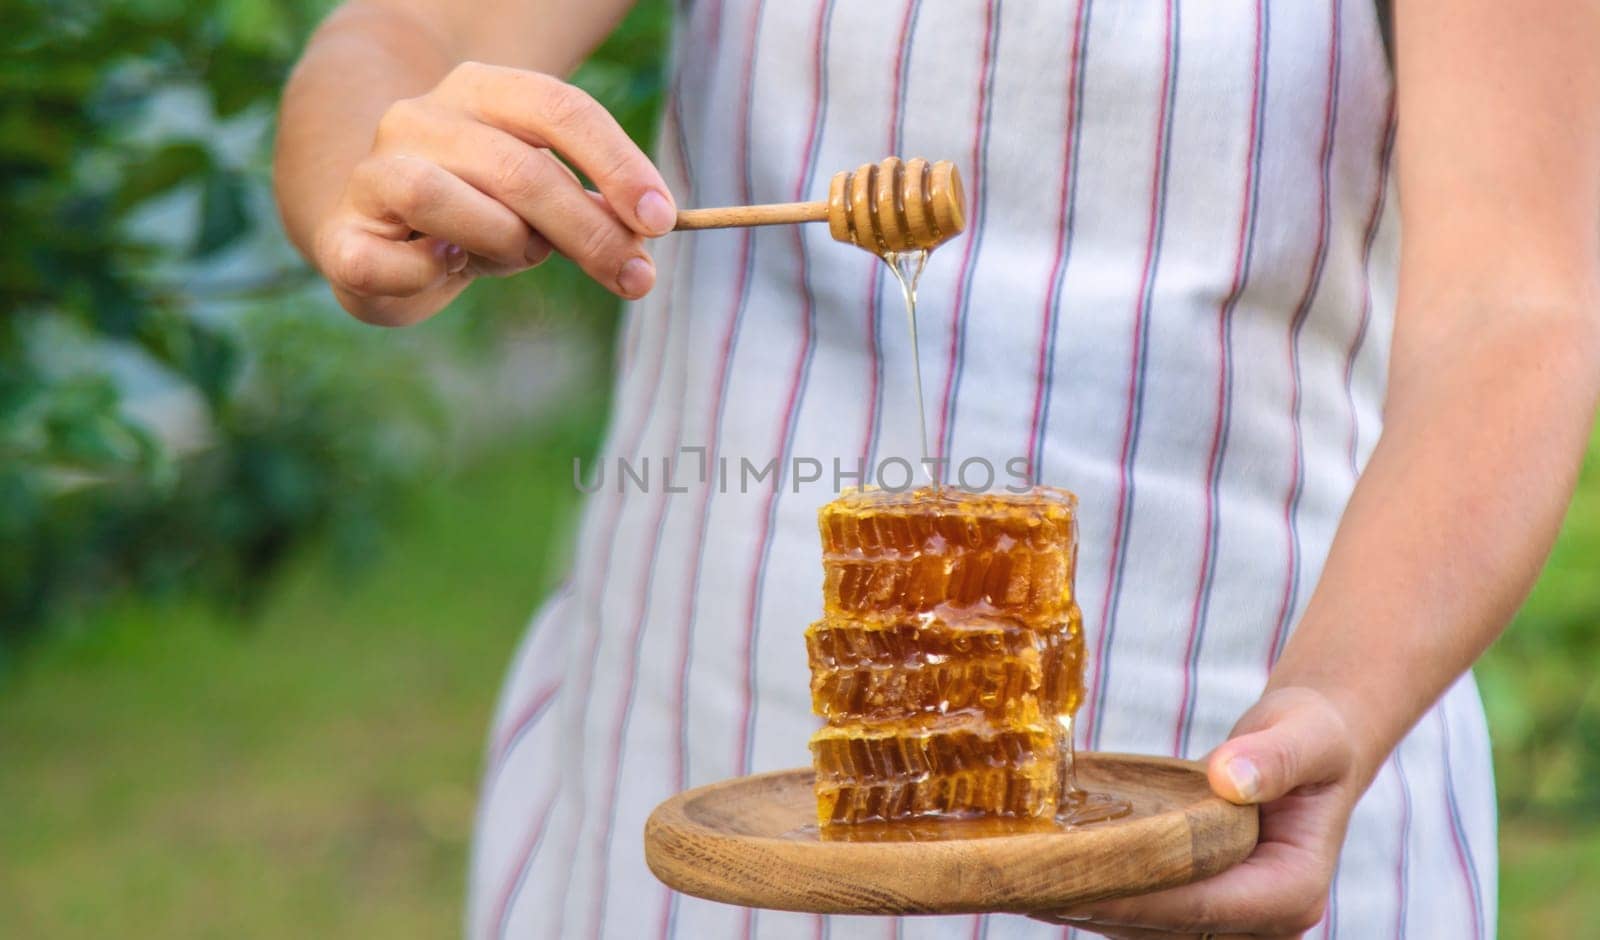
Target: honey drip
(948, 662)
(907, 267)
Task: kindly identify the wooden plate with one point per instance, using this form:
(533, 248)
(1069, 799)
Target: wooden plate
(754, 842)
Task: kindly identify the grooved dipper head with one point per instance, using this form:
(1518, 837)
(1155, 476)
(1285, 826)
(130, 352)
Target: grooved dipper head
(897, 205)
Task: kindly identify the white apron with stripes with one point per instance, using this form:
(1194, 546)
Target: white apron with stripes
(1175, 298)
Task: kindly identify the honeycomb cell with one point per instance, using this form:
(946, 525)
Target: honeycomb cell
(867, 773)
(949, 656)
(906, 669)
(892, 555)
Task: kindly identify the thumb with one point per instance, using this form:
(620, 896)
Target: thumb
(1297, 739)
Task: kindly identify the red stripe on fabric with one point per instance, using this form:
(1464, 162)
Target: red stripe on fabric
(875, 271)
(529, 712)
(1400, 874)
(723, 358)
(619, 729)
(1069, 145)
(1125, 473)
(1457, 836)
(746, 651)
(594, 610)
(899, 65)
(1378, 199)
(967, 250)
(1224, 310)
(1296, 468)
(641, 615)
(524, 856)
(713, 434)
(496, 748)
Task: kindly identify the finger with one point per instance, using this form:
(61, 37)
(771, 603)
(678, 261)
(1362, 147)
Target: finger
(538, 189)
(545, 111)
(1303, 742)
(538, 251)
(426, 198)
(1112, 932)
(366, 264)
(1277, 890)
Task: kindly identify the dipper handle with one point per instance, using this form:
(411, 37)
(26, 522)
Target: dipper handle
(782, 213)
(889, 206)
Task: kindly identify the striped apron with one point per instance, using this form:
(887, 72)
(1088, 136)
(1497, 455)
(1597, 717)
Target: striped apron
(1175, 298)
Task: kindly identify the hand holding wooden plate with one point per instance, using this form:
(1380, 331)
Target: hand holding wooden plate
(754, 842)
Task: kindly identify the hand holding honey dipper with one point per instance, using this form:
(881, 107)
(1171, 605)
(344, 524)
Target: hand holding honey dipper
(468, 179)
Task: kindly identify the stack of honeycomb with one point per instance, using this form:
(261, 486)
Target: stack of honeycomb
(948, 656)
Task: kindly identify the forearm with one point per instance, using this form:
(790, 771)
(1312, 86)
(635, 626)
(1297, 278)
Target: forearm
(1452, 518)
(329, 115)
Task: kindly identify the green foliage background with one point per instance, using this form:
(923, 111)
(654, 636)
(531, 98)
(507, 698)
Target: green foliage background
(134, 144)
(140, 239)
(110, 113)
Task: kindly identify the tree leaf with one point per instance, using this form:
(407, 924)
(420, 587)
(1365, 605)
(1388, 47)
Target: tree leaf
(224, 213)
(160, 171)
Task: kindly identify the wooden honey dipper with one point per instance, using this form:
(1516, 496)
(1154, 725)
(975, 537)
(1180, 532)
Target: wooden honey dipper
(894, 205)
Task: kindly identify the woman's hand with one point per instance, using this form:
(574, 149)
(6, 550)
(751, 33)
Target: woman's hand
(471, 167)
(1292, 753)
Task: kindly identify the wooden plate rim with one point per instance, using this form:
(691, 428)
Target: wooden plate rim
(952, 860)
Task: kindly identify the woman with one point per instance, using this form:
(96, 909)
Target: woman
(1320, 462)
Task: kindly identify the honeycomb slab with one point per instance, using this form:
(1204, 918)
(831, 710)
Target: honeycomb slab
(948, 661)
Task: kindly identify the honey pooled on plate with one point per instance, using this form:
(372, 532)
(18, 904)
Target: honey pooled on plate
(949, 658)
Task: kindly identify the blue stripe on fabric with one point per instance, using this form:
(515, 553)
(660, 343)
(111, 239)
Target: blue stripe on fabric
(1069, 213)
(1384, 160)
(1404, 887)
(1214, 534)
(627, 708)
(905, 75)
(980, 214)
(1169, 95)
(808, 179)
(1297, 488)
(791, 419)
(896, 142)
(524, 725)
(594, 612)
(869, 454)
(682, 288)
(1330, 922)
(1458, 829)
(730, 345)
(498, 751)
(526, 866)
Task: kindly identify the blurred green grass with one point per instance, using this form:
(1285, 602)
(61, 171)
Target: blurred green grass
(170, 773)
